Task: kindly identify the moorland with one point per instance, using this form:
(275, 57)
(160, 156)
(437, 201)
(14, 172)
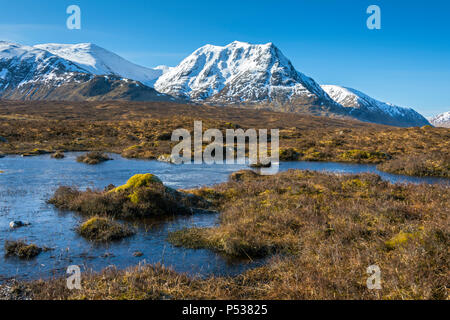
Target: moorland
(143, 130)
(318, 231)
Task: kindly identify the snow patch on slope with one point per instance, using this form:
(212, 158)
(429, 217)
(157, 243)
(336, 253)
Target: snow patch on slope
(99, 61)
(351, 98)
(441, 120)
(163, 69)
(21, 65)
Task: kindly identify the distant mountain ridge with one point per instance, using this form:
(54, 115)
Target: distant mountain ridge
(365, 108)
(441, 120)
(99, 61)
(32, 73)
(242, 73)
(236, 74)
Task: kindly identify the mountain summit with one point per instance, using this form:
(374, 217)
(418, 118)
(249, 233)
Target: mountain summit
(241, 73)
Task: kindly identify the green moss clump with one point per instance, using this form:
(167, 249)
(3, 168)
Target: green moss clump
(144, 195)
(314, 156)
(103, 229)
(400, 239)
(364, 156)
(137, 181)
(354, 184)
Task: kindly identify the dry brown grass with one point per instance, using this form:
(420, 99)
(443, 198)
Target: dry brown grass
(21, 249)
(143, 196)
(141, 130)
(322, 231)
(104, 229)
(93, 157)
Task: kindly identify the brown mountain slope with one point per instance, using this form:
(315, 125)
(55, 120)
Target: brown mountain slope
(84, 87)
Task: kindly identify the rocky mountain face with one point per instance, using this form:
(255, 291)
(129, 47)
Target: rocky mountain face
(441, 120)
(365, 108)
(31, 73)
(22, 65)
(239, 74)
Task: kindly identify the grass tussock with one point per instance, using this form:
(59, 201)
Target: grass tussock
(21, 249)
(58, 155)
(94, 157)
(144, 195)
(104, 229)
(421, 165)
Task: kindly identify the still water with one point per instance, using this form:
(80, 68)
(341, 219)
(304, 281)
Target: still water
(26, 184)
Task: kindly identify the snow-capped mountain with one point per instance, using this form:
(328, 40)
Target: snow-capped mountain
(242, 73)
(99, 61)
(163, 69)
(365, 108)
(239, 73)
(21, 65)
(32, 73)
(441, 120)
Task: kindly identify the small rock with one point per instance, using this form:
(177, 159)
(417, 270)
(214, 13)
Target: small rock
(138, 254)
(18, 224)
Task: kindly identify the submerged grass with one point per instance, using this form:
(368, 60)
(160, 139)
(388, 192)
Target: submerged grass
(104, 229)
(93, 157)
(21, 249)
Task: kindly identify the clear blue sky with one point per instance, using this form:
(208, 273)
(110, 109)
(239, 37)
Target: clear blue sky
(407, 62)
